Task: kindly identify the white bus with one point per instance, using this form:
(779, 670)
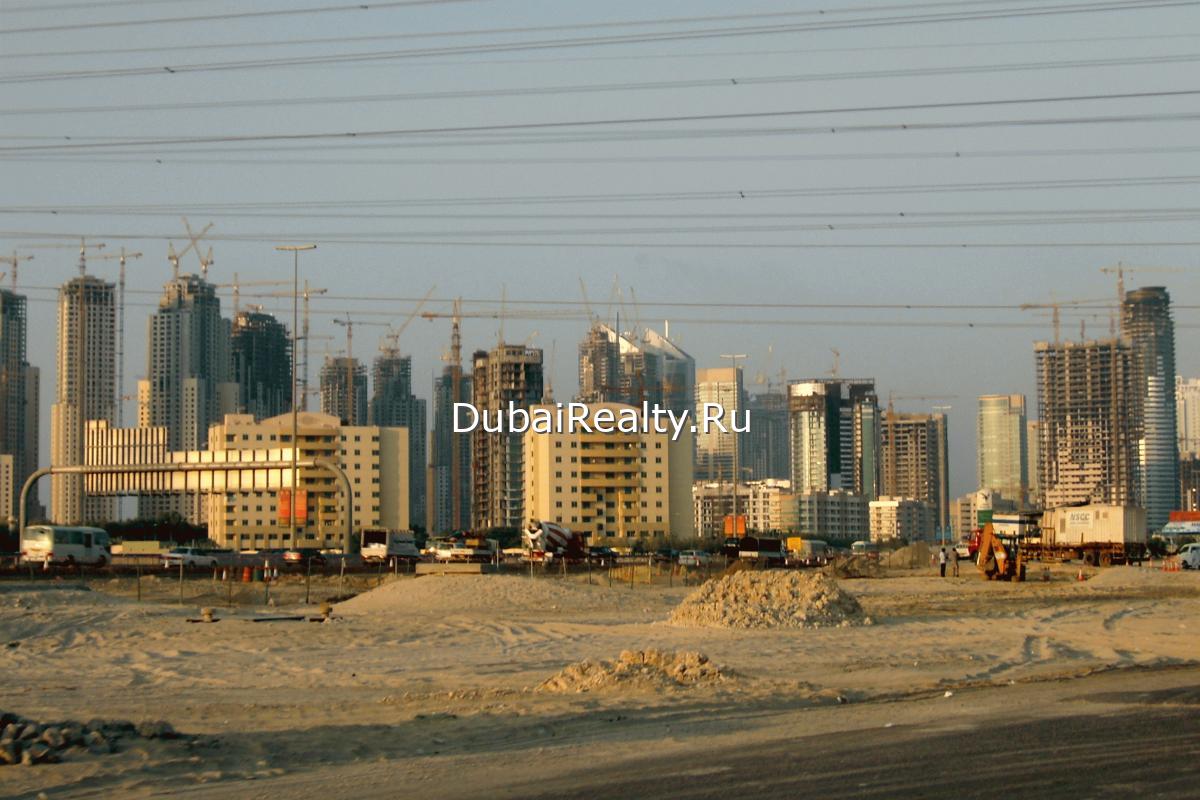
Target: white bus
(61, 544)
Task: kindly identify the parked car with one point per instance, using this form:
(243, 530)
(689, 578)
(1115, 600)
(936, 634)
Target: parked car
(601, 556)
(695, 558)
(666, 554)
(304, 555)
(1189, 556)
(189, 557)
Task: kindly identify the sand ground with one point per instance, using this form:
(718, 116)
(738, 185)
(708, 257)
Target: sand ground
(423, 687)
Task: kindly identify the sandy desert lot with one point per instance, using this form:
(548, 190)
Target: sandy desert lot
(433, 687)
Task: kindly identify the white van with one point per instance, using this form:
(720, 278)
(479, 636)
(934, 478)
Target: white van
(1189, 556)
(60, 544)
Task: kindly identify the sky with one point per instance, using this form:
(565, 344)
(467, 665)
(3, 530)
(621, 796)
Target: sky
(883, 153)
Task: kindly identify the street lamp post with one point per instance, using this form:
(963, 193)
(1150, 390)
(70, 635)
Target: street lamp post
(733, 357)
(294, 249)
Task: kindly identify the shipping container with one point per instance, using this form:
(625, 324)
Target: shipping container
(1094, 524)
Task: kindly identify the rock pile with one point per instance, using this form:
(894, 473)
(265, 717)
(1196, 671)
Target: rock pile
(652, 669)
(769, 599)
(24, 741)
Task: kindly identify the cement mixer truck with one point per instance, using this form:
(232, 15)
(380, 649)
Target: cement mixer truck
(546, 541)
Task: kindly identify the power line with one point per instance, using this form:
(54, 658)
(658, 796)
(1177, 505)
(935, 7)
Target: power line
(596, 41)
(350, 239)
(227, 17)
(656, 120)
(898, 222)
(734, 194)
(102, 159)
(469, 32)
(526, 91)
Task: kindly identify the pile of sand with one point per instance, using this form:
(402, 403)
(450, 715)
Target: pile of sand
(912, 556)
(1129, 577)
(859, 566)
(636, 669)
(499, 594)
(771, 599)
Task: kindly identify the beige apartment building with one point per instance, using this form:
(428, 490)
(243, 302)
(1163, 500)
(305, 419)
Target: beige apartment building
(618, 489)
(769, 506)
(245, 514)
(893, 518)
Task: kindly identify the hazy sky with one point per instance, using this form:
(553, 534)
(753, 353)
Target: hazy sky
(368, 198)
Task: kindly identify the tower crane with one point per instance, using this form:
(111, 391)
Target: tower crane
(238, 284)
(1056, 307)
(121, 257)
(348, 323)
(393, 334)
(14, 261)
(83, 248)
(1120, 270)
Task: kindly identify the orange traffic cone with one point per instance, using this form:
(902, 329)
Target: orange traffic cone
(1080, 576)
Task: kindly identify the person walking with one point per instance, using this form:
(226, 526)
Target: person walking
(954, 561)
(942, 561)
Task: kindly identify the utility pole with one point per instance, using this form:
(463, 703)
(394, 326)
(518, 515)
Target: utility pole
(295, 249)
(733, 357)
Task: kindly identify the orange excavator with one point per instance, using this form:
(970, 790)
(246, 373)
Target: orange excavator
(999, 558)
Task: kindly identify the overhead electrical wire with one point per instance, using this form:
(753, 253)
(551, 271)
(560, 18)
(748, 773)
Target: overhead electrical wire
(374, 5)
(614, 122)
(527, 91)
(596, 41)
(1076, 152)
(735, 194)
(350, 239)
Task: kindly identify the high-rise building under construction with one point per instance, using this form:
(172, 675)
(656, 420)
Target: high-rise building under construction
(915, 461)
(262, 368)
(507, 374)
(1087, 446)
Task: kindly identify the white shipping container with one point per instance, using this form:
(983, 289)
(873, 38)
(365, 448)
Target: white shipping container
(1094, 524)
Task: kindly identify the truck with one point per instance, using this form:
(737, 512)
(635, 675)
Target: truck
(380, 544)
(1095, 534)
(465, 546)
(544, 541)
(803, 552)
(756, 548)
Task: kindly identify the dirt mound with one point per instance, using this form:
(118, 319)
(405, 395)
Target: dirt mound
(772, 599)
(912, 556)
(1128, 577)
(635, 669)
(852, 567)
(467, 593)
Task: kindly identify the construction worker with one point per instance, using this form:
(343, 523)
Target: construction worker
(954, 561)
(942, 561)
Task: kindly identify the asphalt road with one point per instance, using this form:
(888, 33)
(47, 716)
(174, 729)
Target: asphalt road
(1148, 749)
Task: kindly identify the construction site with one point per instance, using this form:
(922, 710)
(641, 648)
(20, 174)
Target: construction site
(458, 686)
